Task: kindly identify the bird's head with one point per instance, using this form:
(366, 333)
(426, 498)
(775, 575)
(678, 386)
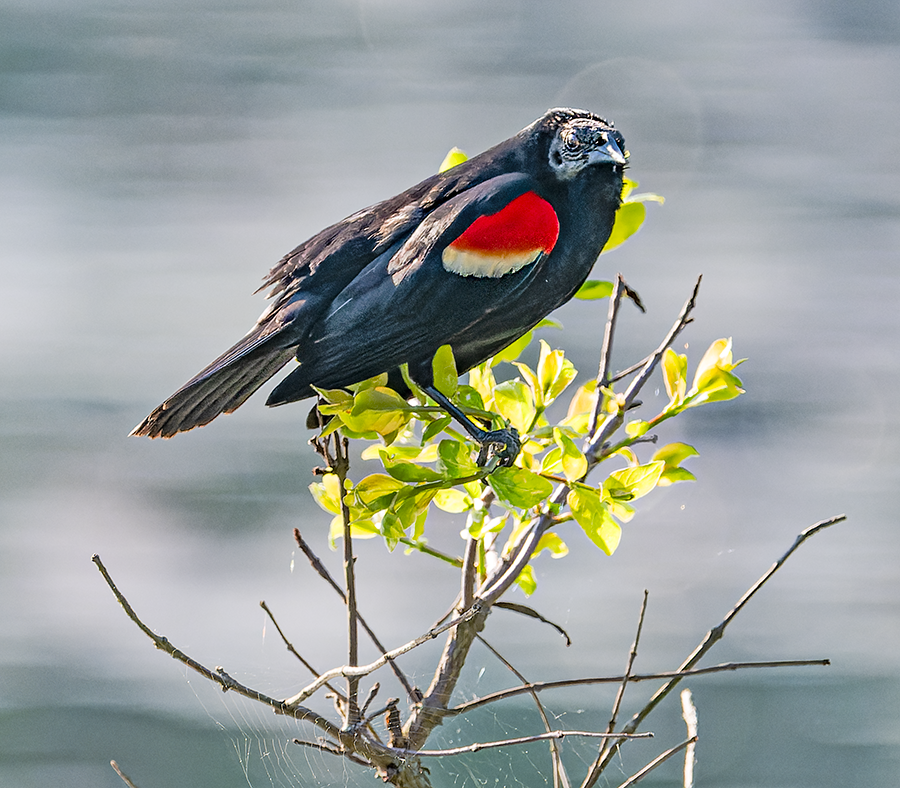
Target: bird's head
(580, 139)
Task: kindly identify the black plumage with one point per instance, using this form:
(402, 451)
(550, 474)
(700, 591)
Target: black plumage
(380, 288)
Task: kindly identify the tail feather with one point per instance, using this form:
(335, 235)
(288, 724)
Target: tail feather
(220, 388)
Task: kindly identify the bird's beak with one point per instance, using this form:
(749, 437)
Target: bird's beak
(611, 153)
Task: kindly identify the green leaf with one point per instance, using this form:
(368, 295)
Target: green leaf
(376, 491)
(436, 427)
(555, 372)
(674, 475)
(411, 472)
(359, 529)
(634, 429)
(629, 219)
(512, 351)
(515, 402)
(481, 378)
(592, 514)
(519, 487)
(674, 369)
(629, 484)
(452, 500)
(574, 463)
(551, 462)
(443, 367)
(453, 158)
(380, 410)
(327, 493)
(714, 381)
(526, 580)
(594, 289)
(551, 541)
(455, 459)
(673, 454)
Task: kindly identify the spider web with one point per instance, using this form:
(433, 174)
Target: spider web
(265, 754)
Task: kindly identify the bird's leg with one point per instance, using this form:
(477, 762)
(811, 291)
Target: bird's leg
(504, 443)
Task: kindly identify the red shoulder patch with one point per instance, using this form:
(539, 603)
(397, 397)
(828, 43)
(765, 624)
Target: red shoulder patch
(503, 242)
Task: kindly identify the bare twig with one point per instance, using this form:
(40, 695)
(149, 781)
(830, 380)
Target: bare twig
(716, 633)
(689, 712)
(317, 564)
(560, 778)
(540, 686)
(218, 676)
(470, 564)
(487, 745)
(632, 655)
(606, 350)
(613, 421)
(125, 778)
(292, 650)
(324, 747)
(365, 670)
(657, 761)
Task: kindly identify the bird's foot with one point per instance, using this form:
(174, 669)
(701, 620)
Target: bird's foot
(503, 444)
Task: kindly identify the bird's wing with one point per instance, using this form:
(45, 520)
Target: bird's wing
(469, 257)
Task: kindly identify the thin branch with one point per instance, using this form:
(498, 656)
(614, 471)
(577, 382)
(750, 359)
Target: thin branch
(657, 761)
(332, 750)
(716, 633)
(125, 778)
(218, 676)
(317, 564)
(559, 772)
(606, 350)
(340, 465)
(632, 655)
(364, 670)
(292, 650)
(470, 564)
(612, 422)
(487, 745)
(689, 712)
(540, 686)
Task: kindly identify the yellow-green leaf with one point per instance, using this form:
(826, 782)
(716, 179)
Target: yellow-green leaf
(592, 514)
(674, 369)
(380, 409)
(452, 500)
(514, 401)
(594, 289)
(629, 484)
(629, 219)
(443, 367)
(453, 158)
(526, 580)
(513, 350)
(327, 493)
(573, 461)
(551, 541)
(376, 491)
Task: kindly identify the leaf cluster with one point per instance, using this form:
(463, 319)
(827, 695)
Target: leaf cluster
(427, 464)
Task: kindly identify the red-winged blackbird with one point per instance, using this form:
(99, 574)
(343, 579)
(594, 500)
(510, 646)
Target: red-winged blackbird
(472, 257)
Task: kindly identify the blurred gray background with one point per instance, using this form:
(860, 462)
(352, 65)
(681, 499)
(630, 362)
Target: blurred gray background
(157, 158)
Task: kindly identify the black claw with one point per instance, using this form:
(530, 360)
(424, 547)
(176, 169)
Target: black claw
(504, 444)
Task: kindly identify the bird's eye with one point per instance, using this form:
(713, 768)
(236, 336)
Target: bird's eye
(571, 142)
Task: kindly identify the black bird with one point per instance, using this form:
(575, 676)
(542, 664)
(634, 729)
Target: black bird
(472, 257)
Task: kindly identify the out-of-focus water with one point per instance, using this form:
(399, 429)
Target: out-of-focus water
(156, 159)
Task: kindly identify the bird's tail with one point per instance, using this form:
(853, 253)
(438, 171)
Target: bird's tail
(220, 388)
